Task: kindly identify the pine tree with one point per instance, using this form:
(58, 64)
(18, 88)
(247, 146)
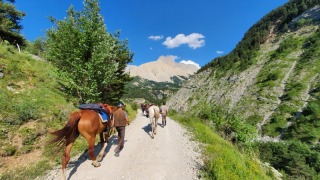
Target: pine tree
(10, 23)
(91, 61)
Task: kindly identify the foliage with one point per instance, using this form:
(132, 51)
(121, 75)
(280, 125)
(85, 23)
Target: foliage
(151, 91)
(135, 106)
(302, 22)
(30, 172)
(297, 159)
(28, 94)
(7, 150)
(306, 125)
(222, 159)
(276, 21)
(287, 46)
(131, 109)
(91, 61)
(37, 47)
(10, 26)
(231, 126)
(312, 51)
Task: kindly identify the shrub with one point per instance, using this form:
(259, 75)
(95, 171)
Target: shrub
(28, 136)
(272, 76)
(7, 150)
(134, 106)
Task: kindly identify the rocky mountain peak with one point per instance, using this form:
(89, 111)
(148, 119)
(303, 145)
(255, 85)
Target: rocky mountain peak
(162, 70)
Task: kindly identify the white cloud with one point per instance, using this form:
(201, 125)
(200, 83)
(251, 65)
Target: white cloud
(155, 38)
(219, 52)
(190, 62)
(194, 41)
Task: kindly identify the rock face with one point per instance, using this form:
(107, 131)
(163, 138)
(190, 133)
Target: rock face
(162, 70)
(253, 93)
(313, 13)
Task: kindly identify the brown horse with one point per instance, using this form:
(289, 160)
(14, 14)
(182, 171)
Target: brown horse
(144, 108)
(88, 123)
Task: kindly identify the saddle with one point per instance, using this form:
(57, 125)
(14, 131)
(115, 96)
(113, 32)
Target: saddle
(103, 113)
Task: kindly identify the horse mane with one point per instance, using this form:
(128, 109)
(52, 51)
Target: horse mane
(109, 108)
(67, 132)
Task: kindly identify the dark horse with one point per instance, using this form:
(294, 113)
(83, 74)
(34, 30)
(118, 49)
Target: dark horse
(88, 123)
(144, 108)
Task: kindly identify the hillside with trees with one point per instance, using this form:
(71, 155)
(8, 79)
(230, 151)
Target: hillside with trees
(252, 110)
(10, 26)
(264, 95)
(38, 93)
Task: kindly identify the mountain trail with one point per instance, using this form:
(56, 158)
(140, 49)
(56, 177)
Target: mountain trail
(170, 155)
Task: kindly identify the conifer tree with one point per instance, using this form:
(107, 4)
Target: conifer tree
(90, 60)
(10, 26)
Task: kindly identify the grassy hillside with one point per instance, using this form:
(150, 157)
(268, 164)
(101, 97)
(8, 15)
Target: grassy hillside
(264, 95)
(32, 104)
(151, 91)
(222, 159)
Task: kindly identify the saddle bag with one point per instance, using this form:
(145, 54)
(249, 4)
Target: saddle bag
(95, 107)
(98, 108)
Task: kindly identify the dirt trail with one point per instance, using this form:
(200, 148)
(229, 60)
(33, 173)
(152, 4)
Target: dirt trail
(170, 155)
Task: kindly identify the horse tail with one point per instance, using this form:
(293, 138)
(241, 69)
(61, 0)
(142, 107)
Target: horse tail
(157, 112)
(70, 130)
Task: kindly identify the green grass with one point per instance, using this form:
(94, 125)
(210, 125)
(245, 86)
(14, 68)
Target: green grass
(222, 159)
(31, 97)
(31, 172)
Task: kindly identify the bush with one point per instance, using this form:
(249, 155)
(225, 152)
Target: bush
(294, 158)
(7, 150)
(28, 136)
(135, 106)
(272, 76)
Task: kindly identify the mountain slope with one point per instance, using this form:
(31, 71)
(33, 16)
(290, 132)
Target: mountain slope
(259, 89)
(157, 80)
(273, 86)
(162, 70)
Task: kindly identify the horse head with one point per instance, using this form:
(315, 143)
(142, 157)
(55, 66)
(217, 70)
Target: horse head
(109, 108)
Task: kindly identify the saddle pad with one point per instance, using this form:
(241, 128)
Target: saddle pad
(98, 108)
(90, 106)
(104, 116)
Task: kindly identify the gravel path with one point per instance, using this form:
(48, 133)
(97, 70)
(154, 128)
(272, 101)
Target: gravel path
(170, 155)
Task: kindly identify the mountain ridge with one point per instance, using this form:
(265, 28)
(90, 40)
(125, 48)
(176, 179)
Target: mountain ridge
(267, 94)
(162, 70)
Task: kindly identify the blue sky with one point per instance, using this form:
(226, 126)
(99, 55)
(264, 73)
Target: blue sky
(188, 30)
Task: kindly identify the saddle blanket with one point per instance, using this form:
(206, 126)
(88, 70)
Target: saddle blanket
(104, 116)
(98, 108)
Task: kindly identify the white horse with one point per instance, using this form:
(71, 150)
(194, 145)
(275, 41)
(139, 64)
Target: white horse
(154, 114)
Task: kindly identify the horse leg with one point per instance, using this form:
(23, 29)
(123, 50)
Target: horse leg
(91, 142)
(152, 127)
(155, 125)
(66, 157)
(103, 147)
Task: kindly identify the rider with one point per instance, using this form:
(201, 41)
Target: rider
(119, 120)
(164, 112)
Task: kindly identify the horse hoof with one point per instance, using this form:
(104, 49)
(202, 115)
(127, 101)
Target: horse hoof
(96, 164)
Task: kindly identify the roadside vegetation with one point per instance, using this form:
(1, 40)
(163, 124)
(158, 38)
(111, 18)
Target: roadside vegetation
(223, 160)
(285, 91)
(37, 93)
